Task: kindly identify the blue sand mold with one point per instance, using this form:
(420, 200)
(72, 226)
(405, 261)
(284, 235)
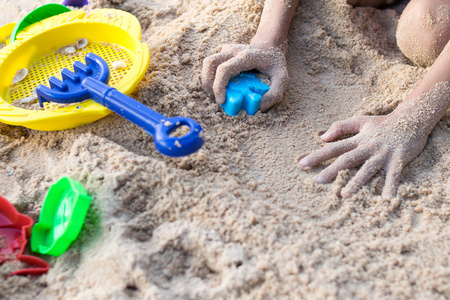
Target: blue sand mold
(244, 91)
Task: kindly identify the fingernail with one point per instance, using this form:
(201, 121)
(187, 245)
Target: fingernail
(325, 136)
(304, 162)
(321, 179)
(263, 107)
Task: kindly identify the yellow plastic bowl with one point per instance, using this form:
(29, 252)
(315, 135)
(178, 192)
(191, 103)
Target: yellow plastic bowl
(112, 34)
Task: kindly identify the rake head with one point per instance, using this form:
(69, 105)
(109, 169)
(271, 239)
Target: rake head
(70, 89)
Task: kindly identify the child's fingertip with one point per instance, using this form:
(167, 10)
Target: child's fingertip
(321, 179)
(263, 108)
(346, 193)
(220, 99)
(303, 162)
(266, 105)
(326, 136)
(387, 195)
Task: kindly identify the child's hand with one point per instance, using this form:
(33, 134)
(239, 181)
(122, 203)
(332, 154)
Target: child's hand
(234, 59)
(388, 142)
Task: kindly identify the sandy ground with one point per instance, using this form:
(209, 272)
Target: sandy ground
(239, 219)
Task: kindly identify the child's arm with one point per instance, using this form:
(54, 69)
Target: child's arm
(390, 141)
(266, 53)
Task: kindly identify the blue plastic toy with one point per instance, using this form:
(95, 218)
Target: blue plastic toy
(75, 3)
(244, 91)
(88, 82)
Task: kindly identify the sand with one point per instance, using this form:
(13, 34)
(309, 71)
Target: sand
(240, 219)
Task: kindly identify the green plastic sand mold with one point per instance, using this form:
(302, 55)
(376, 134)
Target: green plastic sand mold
(62, 217)
(41, 13)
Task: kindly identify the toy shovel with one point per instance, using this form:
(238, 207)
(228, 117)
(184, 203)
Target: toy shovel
(90, 82)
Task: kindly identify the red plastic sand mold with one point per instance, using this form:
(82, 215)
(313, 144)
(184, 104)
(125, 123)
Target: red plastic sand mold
(15, 228)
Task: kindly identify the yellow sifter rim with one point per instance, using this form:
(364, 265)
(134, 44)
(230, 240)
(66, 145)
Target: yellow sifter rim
(112, 34)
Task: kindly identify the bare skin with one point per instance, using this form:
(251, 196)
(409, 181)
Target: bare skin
(392, 141)
(266, 53)
(388, 142)
(424, 30)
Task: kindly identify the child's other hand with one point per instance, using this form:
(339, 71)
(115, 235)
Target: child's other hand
(234, 59)
(388, 142)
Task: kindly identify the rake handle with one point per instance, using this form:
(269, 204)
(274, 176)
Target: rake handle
(151, 121)
(123, 105)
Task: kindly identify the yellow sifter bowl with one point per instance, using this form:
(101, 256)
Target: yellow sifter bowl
(112, 34)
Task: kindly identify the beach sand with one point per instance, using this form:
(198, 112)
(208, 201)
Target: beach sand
(240, 219)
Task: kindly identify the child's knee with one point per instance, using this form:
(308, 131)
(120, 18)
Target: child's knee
(424, 30)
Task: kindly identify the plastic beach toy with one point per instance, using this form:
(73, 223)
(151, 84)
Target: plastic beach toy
(244, 91)
(76, 3)
(5, 33)
(14, 230)
(90, 82)
(62, 217)
(37, 15)
(112, 34)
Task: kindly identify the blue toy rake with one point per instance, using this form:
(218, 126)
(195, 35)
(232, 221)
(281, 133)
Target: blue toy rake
(90, 82)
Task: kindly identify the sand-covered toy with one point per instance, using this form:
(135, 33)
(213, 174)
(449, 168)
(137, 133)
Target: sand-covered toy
(244, 91)
(14, 230)
(89, 81)
(57, 42)
(41, 13)
(62, 217)
(5, 34)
